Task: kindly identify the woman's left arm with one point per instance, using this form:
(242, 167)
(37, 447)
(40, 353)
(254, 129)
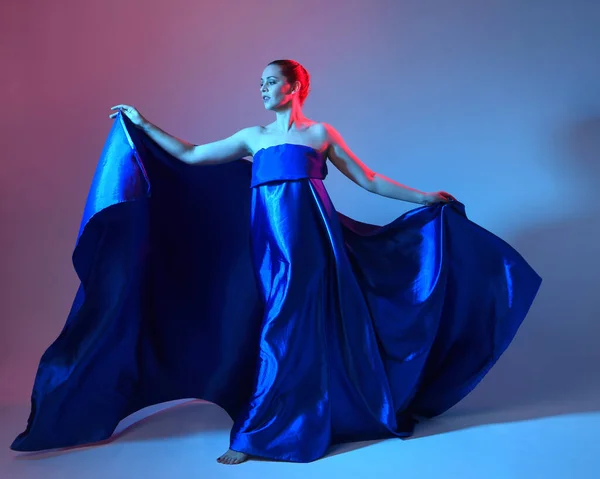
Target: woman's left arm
(350, 165)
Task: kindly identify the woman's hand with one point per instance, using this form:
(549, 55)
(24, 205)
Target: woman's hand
(437, 197)
(136, 118)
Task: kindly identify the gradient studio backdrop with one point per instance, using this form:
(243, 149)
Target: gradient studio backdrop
(497, 102)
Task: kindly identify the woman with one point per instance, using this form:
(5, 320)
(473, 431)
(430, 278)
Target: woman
(284, 86)
(359, 330)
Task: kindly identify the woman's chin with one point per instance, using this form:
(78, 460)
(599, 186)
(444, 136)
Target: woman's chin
(276, 106)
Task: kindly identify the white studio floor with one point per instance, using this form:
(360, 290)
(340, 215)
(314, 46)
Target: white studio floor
(559, 439)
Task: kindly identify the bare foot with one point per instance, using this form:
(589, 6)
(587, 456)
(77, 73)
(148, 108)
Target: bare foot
(232, 457)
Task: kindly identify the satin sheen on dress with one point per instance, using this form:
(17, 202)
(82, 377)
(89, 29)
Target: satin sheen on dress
(242, 285)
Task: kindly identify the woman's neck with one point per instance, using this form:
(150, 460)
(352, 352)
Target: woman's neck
(290, 118)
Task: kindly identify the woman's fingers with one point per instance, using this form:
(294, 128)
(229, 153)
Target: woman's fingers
(119, 108)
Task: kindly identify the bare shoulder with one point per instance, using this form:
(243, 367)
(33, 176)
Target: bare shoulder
(250, 133)
(319, 132)
(328, 131)
(331, 138)
(319, 128)
(251, 136)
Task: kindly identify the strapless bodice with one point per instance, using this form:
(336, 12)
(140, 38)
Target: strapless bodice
(287, 161)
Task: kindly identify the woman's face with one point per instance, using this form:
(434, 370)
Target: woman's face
(274, 88)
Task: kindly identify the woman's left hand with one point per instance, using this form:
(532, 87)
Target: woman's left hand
(437, 197)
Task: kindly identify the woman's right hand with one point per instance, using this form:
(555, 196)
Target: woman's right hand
(136, 118)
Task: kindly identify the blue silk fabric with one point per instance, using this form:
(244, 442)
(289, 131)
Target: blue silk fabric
(242, 285)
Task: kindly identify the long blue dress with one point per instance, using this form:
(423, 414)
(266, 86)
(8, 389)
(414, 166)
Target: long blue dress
(242, 285)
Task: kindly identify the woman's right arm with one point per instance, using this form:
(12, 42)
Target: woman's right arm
(222, 151)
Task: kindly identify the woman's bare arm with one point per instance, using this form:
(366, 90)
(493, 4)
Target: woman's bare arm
(226, 150)
(350, 165)
(222, 151)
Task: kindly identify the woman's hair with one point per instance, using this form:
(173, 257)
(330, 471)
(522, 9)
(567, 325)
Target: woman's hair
(293, 72)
